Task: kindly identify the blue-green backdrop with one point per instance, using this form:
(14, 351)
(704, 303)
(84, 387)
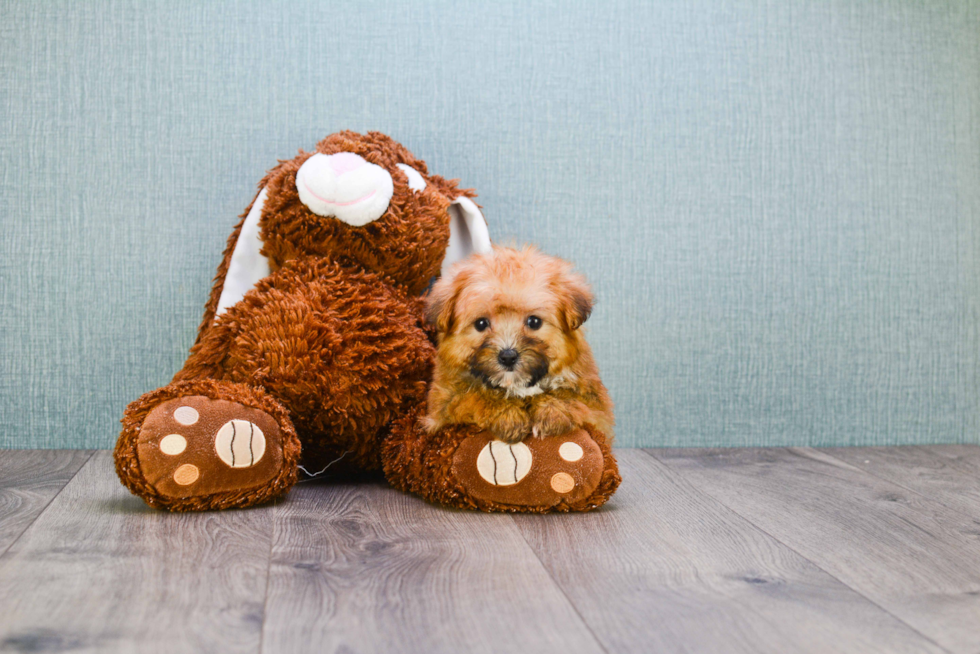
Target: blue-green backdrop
(778, 202)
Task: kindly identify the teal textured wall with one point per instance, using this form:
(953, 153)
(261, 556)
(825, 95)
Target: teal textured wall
(778, 203)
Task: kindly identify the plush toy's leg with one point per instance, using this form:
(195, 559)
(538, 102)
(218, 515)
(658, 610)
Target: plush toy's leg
(461, 466)
(206, 444)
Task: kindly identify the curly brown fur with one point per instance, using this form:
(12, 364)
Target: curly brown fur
(334, 337)
(341, 348)
(511, 358)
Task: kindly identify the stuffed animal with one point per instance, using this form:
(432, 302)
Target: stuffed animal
(314, 351)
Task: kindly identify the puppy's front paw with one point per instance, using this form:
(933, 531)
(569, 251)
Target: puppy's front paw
(551, 418)
(511, 425)
(431, 424)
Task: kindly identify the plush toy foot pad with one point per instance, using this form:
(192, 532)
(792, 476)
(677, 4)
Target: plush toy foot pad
(193, 446)
(538, 472)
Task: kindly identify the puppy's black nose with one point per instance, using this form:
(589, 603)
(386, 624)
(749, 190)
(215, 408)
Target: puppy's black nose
(508, 357)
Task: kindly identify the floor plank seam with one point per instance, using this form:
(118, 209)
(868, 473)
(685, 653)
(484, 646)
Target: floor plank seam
(886, 480)
(710, 496)
(27, 528)
(268, 575)
(561, 590)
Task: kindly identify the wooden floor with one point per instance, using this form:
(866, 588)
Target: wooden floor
(762, 550)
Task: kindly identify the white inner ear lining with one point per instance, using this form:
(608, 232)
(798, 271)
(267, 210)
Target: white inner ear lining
(468, 232)
(415, 180)
(247, 265)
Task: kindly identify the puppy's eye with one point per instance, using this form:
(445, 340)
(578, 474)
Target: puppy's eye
(481, 324)
(533, 322)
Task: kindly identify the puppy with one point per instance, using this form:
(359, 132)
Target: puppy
(511, 358)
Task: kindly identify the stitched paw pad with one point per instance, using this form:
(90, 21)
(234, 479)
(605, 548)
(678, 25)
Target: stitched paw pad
(193, 446)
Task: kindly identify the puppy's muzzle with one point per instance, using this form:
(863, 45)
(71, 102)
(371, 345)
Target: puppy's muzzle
(510, 365)
(508, 358)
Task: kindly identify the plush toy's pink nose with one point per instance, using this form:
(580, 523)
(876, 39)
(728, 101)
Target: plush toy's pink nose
(344, 162)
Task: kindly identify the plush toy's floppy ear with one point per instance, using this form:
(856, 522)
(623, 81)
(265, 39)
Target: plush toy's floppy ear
(468, 232)
(247, 265)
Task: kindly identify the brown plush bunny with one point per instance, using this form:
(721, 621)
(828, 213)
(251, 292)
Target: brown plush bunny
(313, 345)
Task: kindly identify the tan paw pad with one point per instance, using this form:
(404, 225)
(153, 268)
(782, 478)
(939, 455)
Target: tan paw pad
(570, 451)
(562, 482)
(186, 474)
(173, 444)
(186, 415)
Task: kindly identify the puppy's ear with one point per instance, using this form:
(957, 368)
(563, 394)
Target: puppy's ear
(576, 299)
(440, 304)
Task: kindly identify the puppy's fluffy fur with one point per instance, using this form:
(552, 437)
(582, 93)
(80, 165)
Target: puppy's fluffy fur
(511, 358)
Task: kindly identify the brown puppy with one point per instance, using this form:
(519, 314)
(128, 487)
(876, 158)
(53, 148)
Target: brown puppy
(511, 358)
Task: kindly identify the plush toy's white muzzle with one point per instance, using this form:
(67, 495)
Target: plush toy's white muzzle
(344, 186)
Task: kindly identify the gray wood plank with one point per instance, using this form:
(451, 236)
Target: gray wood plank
(948, 474)
(29, 479)
(913, 556)
(100, 571)
(664, 568)
(363, 568)
(968, 455)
